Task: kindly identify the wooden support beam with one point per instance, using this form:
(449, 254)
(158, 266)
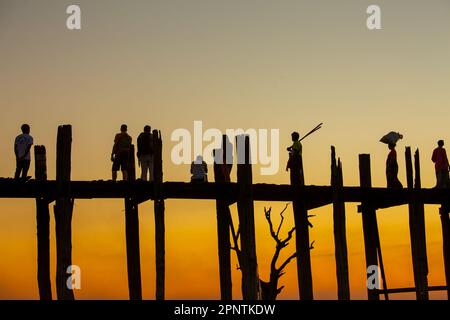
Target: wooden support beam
(159, 208)
(417, 229)
(132, 237)
(421, 234)
(249, 265)
(445, 222)
(302, 243)
(63, 213)
(223, 228)
(405, 290)
(314, 196)
(369, 221)
(43, 228)
(340, 238)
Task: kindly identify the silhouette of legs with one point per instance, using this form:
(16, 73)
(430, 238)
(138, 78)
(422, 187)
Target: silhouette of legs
(146, 166)
(120, 163)
(442, 179)
(22, 167)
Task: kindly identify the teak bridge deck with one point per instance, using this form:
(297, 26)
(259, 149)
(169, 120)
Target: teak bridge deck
(243, 192)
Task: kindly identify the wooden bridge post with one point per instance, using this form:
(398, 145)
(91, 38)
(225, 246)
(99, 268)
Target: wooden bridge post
(340, 239)
(63, 213)
(249, 265)
(302, 243)
(444, 213)
(369, 220)
(223, 228)
(43, 228)
(417, 228)
(132, 237)
(159, 216)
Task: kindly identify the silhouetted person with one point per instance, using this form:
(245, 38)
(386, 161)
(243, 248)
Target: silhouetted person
(22, 147)
(145, 153)
(120, 155)
(199, 170)
(223, 159)
(441, 166)
(294, 162)
(392, 168)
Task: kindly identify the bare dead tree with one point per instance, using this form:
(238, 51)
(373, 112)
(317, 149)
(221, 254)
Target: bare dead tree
(270, 289)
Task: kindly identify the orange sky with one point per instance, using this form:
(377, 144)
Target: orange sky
(287, 65)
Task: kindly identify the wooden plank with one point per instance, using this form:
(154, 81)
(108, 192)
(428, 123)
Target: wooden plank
(223, 215)
(302, 242)
(249, 266)
(369, 221)
(132, 237)
(63, 212)
(43, 228)
(159, 208)
(339, 229)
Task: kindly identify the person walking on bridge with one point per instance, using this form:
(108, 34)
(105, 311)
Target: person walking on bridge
(392, 168)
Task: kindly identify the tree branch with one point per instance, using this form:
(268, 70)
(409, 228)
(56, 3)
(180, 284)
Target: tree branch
(286, 262)
(267, 213)
(282, 219)
(285, 242)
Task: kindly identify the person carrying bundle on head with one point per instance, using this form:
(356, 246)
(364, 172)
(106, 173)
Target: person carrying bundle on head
(392, 168)
(391, 140)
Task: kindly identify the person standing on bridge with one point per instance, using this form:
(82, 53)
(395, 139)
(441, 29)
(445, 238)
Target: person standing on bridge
(295, 153)
(392, 168)
(441, 166)
(120, 155)
(22, 147)
(145, 153)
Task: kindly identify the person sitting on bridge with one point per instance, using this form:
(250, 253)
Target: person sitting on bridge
(441, 166)
(120, 155)
(145, 153)
(22, 146)
(392, 168)
(199, 170)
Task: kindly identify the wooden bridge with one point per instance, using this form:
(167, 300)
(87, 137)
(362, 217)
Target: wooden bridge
(63, 192)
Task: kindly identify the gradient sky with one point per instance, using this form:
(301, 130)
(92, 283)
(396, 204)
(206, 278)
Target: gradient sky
(232, 64)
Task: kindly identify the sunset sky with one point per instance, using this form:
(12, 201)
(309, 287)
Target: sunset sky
(285, 65)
